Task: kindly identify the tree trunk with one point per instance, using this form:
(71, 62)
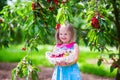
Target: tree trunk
(118, 70)
(117, 24)
(118, 74)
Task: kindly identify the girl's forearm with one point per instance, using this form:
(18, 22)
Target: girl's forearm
(73, 62)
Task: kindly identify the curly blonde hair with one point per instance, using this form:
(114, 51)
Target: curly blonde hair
(72, 31)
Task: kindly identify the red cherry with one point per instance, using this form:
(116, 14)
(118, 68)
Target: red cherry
(56, 2)
(1, 20)
(33, 6)
(62, 54)
(24, 49)
(53, 56)
(58, 55)
(115, 65)
(49, 1)
(51, 8)
(95, 22)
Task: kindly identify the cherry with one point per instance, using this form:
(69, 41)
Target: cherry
(24, 49)
(33, 6)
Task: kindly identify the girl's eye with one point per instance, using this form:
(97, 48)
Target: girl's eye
(60, 34)
(65, 34)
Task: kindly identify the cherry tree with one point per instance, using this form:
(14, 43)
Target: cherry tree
(97, 23)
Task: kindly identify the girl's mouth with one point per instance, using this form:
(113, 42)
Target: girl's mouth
(63, 38)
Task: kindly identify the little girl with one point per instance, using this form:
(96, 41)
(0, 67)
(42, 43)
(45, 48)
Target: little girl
(65, 54)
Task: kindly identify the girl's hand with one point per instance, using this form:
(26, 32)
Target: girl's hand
(62, 63)
(57, 64)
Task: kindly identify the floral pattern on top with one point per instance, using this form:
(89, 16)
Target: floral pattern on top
(64, 52)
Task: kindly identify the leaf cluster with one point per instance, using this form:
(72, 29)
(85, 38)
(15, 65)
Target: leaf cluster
(25, 69)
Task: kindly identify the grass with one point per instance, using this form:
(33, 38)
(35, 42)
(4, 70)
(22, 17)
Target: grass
(11, 54)
(88, 64)
(15, 54)
(99, 71)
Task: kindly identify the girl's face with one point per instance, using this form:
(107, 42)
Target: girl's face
(64, 35)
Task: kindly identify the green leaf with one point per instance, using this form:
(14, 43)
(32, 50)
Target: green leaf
(59, 15)
(99, 62)
(34, 75)
(112, 68)
(13, 74)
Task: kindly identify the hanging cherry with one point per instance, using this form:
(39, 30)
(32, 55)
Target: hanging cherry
(23, 48)
(56, 2)
(1, 20)
(95, 22)
(51, 8)
(115, 65)
(33, 6)
(48, 1)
